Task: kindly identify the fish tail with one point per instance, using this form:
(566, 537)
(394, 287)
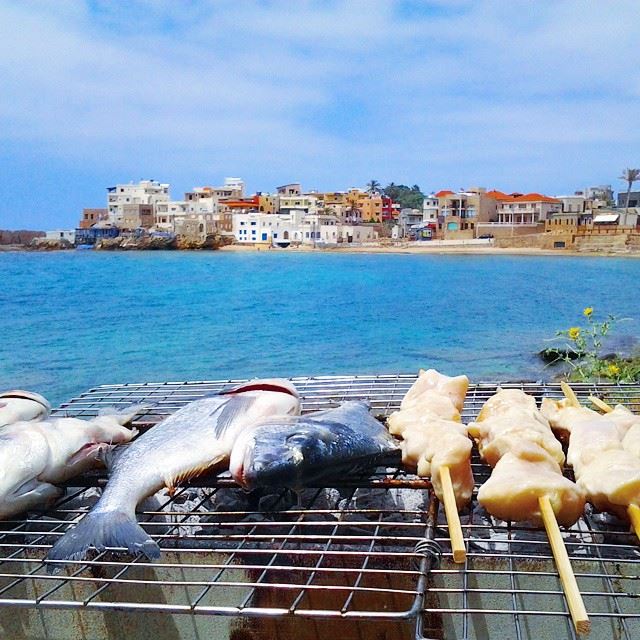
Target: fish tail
(101, 529)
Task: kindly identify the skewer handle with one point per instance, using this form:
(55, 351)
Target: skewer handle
(633, 510)
(569, 394)
(570, 586)
(453, 519)
(601, 404)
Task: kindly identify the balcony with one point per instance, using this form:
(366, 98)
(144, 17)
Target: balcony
(464, 212)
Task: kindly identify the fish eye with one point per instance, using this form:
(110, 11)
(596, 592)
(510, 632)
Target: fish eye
(296, 438)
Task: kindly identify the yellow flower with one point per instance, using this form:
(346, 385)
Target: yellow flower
(613, 370)
(574, 333)
(588, 311)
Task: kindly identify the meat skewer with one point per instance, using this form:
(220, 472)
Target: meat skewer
(527, 481)
(435, 442)
(605, 452)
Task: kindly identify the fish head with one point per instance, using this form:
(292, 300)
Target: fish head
(27, 395)
(281, 453)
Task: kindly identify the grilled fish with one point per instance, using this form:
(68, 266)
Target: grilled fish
(18, 405)
(34, 456)
(298, 451)
(184, 445)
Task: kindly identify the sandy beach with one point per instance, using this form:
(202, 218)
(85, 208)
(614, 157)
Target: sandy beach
(428, 249)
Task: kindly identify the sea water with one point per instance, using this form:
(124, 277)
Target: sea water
(73, 320)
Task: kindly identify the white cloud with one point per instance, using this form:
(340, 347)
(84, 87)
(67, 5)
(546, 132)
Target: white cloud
(333, 92)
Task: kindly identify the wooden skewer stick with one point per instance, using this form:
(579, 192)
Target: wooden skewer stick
(569, 394)
(570, 586)
(453, 519)
(601, 404)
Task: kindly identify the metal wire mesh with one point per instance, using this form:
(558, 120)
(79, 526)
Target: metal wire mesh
(365, 550)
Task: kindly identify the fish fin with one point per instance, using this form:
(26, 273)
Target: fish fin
(125, 414)
(109, 454)
(172, 482)
(101, 529)
(229, 411)
(32, 494)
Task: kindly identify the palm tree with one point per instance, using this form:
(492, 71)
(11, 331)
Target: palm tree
(629, 176)
(373, 186)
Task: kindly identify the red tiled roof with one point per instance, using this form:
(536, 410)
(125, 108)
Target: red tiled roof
(519, 197)
(443, 193)
(498, 195)
(535, 197)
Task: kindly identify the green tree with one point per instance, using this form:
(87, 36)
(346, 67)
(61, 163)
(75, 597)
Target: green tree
(406, 197)
(629, 176)
(373, 187)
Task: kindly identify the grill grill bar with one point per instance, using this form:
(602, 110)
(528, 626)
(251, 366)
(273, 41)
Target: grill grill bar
(366, 549)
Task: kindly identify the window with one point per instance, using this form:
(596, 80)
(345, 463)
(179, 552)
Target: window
(275, 235)
(253, 223)
(264, 236)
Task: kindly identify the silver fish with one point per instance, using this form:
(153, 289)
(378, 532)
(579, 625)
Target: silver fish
(36, 455)
(184, 445)
(18, 405)
(312, 449)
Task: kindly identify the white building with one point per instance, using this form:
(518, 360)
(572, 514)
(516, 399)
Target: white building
(144, 192)
(529, 209)
(202, 200)
(430, 209)
(236, 184)
(167, 212)
(296, 227)
(61, 234)
(576, 203)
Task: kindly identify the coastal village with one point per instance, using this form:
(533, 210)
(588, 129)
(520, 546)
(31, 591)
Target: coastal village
(144, 215)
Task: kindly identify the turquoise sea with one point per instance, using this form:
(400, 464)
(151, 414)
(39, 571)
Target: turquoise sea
(73, 320)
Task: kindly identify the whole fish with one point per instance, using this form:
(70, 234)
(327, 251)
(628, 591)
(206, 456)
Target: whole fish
(34, 456)
(299, 451)
(18, 405)
(195, 438)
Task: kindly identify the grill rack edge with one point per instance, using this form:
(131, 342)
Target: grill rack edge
(342, 539)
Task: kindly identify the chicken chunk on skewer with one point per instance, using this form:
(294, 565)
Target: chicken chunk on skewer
(517, 440)
(520, 478)
(432, 436)
(601, 451)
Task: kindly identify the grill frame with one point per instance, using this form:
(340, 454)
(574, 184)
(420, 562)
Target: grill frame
(504, 551)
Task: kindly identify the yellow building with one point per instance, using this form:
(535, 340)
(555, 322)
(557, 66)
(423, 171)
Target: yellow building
(266, 203)
(369, 205)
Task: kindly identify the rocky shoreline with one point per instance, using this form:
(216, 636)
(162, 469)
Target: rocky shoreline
(123, 243)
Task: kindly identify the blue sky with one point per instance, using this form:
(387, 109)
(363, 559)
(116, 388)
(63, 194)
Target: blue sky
(527, 96)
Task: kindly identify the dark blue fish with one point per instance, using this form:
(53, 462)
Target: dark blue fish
(313, 449)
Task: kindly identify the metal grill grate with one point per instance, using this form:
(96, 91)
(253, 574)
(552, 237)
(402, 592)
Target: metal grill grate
(363, 552)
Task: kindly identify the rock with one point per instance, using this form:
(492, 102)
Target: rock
(161, 243)
(622, 346)
(557, 354)
(42, 244)
(210, 242)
